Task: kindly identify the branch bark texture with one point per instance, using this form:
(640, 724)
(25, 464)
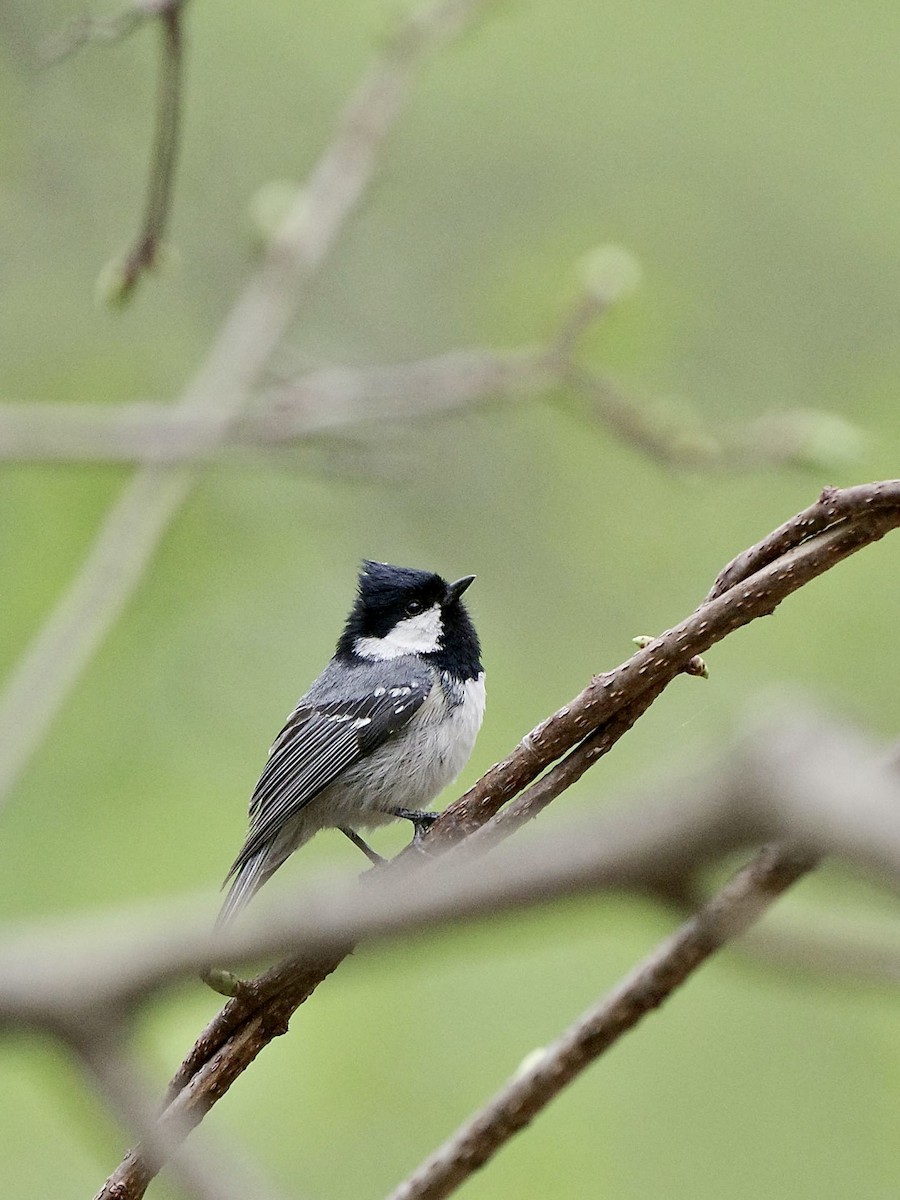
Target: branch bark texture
(837, 525)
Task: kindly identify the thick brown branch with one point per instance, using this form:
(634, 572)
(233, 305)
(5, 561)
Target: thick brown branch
(847, 521)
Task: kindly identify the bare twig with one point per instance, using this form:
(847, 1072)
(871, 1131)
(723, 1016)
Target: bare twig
(145, 251)
(115, 565)
(730, 911)
(121, 277)
(334, 399)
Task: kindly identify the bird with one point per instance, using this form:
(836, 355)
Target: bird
(388, 724)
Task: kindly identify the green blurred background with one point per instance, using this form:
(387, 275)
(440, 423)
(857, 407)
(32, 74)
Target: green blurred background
(748, 155)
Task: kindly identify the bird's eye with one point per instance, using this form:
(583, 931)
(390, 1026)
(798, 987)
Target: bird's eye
(414, 606)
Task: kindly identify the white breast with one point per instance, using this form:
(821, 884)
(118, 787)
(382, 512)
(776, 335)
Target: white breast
(413, 767)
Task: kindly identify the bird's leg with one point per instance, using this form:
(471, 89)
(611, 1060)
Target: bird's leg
(422, 820)
(372, 855)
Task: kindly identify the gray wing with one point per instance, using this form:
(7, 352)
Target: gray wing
(321, 739)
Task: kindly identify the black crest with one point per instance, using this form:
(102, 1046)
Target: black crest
(387, 594)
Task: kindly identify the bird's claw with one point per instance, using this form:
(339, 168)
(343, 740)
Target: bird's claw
(422, 821)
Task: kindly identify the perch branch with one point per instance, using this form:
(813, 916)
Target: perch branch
(803, 779)
(838, 525)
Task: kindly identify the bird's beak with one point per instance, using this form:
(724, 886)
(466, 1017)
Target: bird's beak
(456, 589)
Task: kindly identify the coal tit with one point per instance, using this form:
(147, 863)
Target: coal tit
(388, 724)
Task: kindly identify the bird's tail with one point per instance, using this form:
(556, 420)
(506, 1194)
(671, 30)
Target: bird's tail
(246, 879)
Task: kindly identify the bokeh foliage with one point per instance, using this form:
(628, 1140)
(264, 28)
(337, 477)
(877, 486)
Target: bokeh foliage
(748, 156)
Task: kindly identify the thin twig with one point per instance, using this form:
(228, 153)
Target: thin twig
(163, 157)
(92, 603)
(730, 911)
(333, 400)
(121, 277)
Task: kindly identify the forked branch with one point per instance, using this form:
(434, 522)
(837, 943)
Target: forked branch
(837, 525)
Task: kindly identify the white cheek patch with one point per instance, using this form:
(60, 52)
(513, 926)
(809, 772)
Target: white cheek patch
(420, 634)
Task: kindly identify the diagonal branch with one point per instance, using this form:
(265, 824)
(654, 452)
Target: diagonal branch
(802, 779)
(839, 524)
(103, 1053)
(738, 905)
(93, 602)
(750, 587)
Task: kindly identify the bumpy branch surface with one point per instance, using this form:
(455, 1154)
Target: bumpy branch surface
(837, 525)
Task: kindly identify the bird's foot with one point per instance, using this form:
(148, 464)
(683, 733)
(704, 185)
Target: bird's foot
(422, 820)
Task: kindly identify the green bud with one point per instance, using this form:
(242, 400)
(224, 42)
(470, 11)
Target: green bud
(609, 273)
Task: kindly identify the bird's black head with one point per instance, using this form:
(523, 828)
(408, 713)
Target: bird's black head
(400, 610)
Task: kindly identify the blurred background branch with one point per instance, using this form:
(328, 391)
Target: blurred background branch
(837, 525)
(41, 681)
(547, 1072)
(87, 29)
(804, 781)
(121, 276)
(344, 399)
(761, 205)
